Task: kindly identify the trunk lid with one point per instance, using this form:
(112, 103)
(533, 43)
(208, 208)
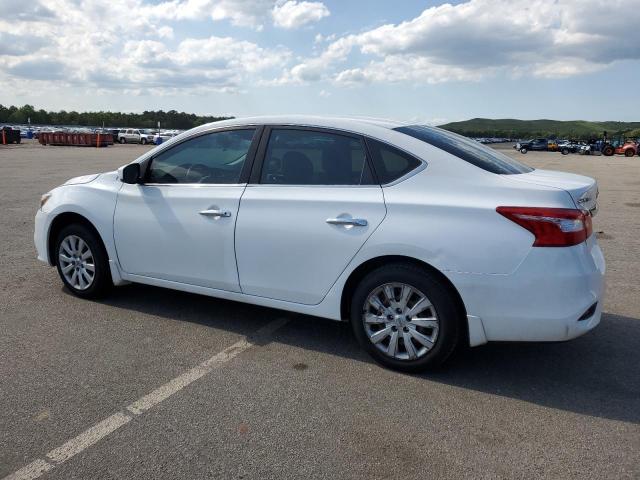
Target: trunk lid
(583, 190)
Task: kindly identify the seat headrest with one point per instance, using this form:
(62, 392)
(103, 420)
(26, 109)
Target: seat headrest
(296, 168)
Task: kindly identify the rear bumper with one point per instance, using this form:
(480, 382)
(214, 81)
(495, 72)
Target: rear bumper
(543, 300)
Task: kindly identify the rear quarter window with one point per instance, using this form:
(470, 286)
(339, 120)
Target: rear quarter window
(390, 163)
(468, 150)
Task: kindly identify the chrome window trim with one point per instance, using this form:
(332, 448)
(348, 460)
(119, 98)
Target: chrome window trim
(375, 185)
(193, 184)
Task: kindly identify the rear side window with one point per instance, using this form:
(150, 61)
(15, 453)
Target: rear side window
(390, 163)
(468, 150)
(308, 157)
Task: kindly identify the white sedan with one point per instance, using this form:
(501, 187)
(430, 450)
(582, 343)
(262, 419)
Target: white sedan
(422, 239)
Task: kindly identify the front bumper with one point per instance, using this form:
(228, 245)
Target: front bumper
(40, 235)
(543, 299)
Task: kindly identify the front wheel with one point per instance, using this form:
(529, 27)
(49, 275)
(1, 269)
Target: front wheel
(629, 152)
(608, 151)
(122, 140)
(523, 150)
(143, 141)
(565, 151)
(82, 262)
(405, 318)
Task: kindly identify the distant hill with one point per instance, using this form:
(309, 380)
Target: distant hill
(512, 128)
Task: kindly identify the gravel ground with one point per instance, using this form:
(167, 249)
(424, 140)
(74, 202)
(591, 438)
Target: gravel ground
(304, 401)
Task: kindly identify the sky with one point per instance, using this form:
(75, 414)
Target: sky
(423, 61)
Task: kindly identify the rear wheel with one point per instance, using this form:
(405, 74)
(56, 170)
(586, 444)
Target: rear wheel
(565, 151)
(629, 152)
(405, 318)
(523, 150)
(82, 262)
(608, 150)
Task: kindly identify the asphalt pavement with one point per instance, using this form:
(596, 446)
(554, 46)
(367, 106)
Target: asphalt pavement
(152, 383)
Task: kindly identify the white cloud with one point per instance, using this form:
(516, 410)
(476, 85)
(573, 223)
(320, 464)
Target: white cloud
(242, 13)
(134, 53)
(63, 43)
(479, 38)
(408, 68)
(293, 14)
(319, 38)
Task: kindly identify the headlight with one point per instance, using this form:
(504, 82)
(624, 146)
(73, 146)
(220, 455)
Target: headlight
(44, 198)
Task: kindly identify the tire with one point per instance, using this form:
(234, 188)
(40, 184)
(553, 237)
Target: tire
(523, 150)
(143, 141)
(629, 152)
(565, 151)
(445, 334)
(608, 151)
(72, 249)
(122, 140)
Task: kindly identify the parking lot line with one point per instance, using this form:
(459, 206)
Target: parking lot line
(110, 424)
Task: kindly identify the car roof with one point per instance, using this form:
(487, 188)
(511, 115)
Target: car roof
(355, 124)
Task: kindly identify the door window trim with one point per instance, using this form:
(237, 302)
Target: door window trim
(256, 172)
(246, 167)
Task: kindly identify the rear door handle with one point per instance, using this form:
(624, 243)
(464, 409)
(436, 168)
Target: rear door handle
(355, 222)
(215, 213)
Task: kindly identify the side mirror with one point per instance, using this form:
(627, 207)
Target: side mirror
(131, 173)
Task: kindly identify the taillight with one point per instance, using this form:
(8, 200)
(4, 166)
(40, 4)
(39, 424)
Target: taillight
(552, 227)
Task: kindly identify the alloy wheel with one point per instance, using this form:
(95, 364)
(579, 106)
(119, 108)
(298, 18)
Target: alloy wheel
(400, 321)
(76, 262)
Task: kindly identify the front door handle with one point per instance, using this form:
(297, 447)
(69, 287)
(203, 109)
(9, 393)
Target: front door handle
(354, 222)
(215, 213)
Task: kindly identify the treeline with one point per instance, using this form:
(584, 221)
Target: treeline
(551, 134)
(514, 128)
(148, 119)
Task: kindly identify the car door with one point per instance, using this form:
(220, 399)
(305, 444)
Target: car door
(311, 205)
(178, 225)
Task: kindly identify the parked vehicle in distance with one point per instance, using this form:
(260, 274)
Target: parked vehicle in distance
(628, 148)
(537, 144)
(134, 135)
(161, 137)
(9, 135)
(570, 147)
(422, 239)
(552, 146)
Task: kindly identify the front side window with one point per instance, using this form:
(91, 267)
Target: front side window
(468, 150)
(212, 158)
(306, 157)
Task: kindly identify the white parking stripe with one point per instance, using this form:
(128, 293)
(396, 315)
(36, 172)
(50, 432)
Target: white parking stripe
(31, 471)
(100, 430)
(88, 438)
(175, 385)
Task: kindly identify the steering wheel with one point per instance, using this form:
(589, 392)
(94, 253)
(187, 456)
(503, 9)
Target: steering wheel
(203, 170)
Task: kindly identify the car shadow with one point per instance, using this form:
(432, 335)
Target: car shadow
(597, 374)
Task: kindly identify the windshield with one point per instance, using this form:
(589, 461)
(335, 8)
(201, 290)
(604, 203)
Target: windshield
(466, 149)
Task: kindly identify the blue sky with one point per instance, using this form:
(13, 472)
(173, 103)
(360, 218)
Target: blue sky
(414, 60)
